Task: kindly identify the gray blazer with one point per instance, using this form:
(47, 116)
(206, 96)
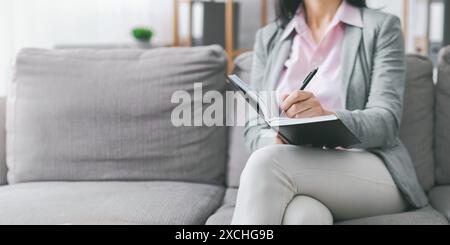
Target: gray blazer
(373, 76)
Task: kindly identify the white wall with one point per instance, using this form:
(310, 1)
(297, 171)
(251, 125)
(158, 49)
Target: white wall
(46, 23)
(6, 54)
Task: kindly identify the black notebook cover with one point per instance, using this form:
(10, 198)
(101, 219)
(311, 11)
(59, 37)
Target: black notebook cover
(329, 133)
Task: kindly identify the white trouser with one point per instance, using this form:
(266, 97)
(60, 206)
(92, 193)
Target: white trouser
(297, 185)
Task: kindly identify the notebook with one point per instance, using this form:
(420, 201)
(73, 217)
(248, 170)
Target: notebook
(324, 131)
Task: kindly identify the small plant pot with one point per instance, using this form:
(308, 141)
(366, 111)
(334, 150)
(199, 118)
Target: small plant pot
(143, 45)
(143, 37)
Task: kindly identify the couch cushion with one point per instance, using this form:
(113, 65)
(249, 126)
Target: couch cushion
(442, 131)
(49, 203)
(440, 199)
(106, 115)
(418, 117)
(426, 216)
(224, 214)
(239, 155)
(238, 152)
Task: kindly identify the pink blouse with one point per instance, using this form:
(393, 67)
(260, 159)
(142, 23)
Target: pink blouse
(306, 54)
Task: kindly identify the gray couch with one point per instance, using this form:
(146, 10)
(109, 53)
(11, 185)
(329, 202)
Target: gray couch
(89, 140)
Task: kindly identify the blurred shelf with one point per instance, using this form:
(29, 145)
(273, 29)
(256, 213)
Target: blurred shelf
(232, 51)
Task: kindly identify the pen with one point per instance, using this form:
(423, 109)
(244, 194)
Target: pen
(305, 83)
(309, 78)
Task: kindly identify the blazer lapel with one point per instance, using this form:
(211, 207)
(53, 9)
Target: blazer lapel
(283, 49)
(351, 45)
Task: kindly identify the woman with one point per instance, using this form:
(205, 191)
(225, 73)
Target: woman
(361, 79)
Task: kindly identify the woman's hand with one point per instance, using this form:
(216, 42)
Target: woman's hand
(303, 104)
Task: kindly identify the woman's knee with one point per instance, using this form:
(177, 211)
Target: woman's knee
(304, 210)
(262, 163)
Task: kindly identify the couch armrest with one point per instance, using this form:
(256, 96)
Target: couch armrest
(3, 168)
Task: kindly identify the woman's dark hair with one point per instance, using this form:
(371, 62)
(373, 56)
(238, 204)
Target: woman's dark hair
(286, 9)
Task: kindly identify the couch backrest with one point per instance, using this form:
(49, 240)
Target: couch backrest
(3, 169)
(417, 127)
(238, 151)
(418, 117)
(442, 138)
(85, 115)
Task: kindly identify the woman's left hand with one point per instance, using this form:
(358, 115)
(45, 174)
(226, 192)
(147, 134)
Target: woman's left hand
(303, 104)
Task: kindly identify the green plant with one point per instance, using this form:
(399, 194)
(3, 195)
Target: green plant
(142, 34)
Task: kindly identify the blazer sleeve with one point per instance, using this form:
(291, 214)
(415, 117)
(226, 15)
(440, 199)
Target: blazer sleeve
(378, 125)
(257, 135)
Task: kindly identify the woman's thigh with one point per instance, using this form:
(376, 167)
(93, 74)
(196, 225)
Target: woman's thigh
(351, 184)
